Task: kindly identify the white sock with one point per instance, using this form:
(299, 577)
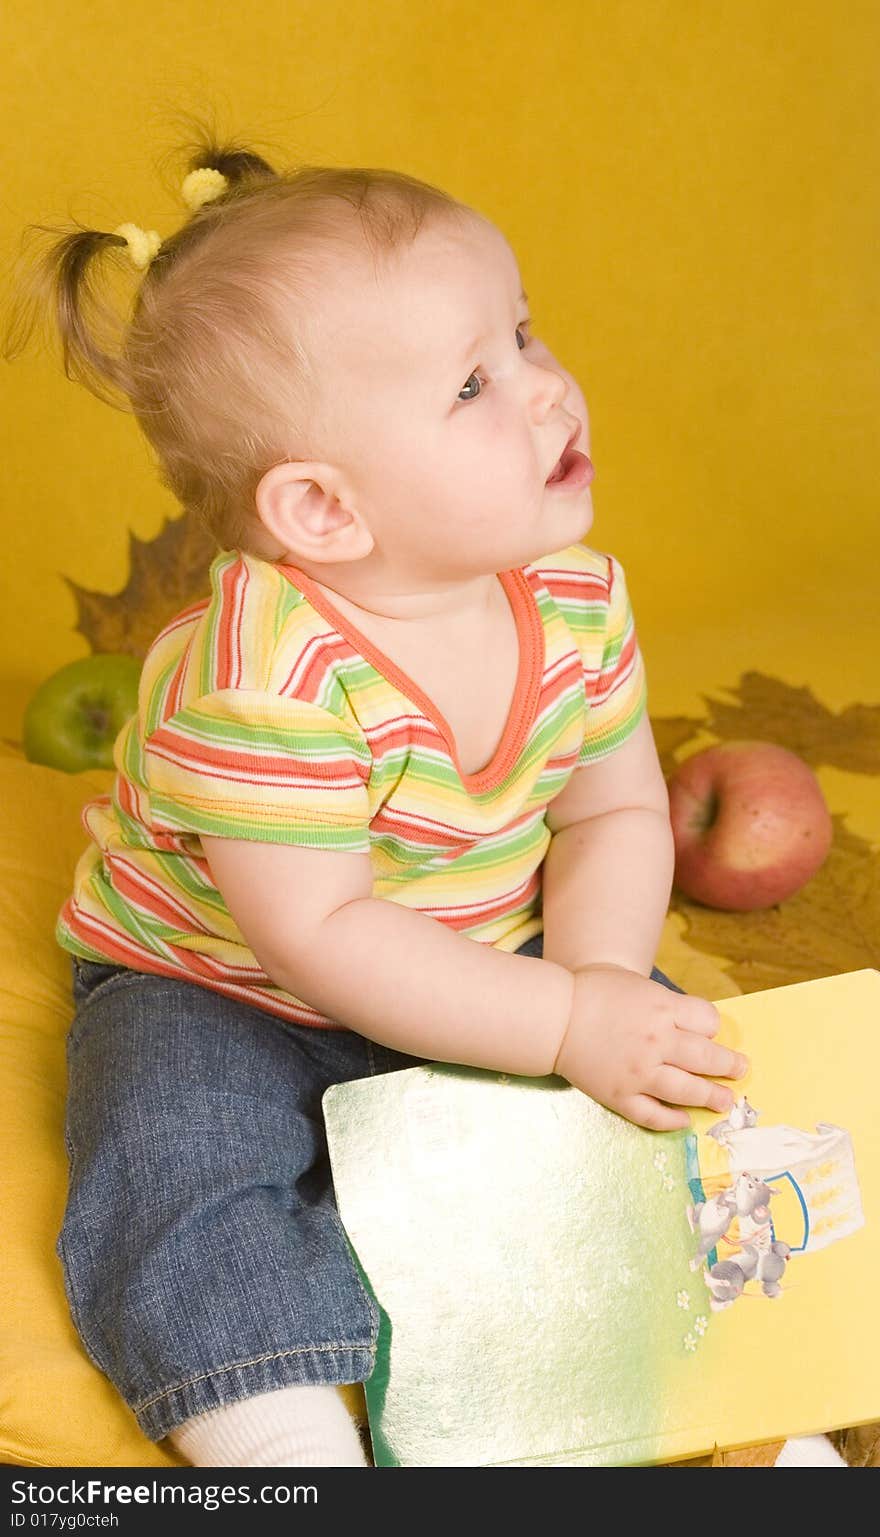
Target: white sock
(303, 1426)
(809, 1452)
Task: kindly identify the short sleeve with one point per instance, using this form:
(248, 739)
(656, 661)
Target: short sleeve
(614, 675)
(242, 763)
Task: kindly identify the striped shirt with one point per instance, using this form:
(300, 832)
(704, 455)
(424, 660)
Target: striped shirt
(263, 713)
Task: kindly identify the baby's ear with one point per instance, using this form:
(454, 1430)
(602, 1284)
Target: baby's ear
(298, 504)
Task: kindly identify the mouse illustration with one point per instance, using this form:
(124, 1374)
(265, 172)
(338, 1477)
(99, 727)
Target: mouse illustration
(752, 1197)
(711, 1219)
(770, 1266)
(740, 1116)
(725, 1281)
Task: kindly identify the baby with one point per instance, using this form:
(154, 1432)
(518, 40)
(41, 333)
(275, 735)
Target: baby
(390, 796)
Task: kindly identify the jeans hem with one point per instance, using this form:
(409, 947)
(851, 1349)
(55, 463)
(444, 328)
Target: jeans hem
(318, 1364)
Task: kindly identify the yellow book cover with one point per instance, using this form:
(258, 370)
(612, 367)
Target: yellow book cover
(556, 1286)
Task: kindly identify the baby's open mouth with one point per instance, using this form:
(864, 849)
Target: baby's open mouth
(564, 462)
(573, 471)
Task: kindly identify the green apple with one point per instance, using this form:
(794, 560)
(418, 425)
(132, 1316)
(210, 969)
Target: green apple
(74, 718)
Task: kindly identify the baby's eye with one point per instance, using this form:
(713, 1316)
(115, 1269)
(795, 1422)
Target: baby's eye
(524, 328)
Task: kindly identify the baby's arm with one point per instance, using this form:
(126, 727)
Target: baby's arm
(636, 1046)
(393, 974)
(608, 871)
(399, 977)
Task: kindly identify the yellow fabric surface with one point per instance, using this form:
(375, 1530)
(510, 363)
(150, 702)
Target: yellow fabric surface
(58, 1409)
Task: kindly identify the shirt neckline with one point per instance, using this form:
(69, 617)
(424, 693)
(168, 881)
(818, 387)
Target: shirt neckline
(530, 673)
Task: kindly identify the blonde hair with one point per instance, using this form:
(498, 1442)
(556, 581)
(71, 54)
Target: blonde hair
(213, 361)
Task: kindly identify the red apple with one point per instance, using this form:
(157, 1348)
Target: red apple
(750, 825)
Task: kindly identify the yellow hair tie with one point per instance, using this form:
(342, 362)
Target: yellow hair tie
(202, 186)
(199, 187)
(143, 244)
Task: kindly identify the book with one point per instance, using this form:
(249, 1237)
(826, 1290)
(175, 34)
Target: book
(558, 1286)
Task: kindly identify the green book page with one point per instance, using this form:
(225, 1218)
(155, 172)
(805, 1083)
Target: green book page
(530, 1257)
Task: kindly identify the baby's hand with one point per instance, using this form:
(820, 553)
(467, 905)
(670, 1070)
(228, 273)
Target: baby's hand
(632, 1044)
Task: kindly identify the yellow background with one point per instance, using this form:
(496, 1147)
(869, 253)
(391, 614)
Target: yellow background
(690, 188)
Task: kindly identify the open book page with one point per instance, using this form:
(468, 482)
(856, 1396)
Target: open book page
(559, 1286)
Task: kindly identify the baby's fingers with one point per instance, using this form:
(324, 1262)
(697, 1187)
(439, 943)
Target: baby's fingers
(649, 1112)
(693, 1013)
(697, 1055)
(687, 1089)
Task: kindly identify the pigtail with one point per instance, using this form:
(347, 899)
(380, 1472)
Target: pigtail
(200, 147)
(208, 342)
(59, 286)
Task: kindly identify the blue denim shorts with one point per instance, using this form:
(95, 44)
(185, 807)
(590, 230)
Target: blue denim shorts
(204, 1258)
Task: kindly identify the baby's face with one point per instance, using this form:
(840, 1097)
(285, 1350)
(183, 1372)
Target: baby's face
(444, 410)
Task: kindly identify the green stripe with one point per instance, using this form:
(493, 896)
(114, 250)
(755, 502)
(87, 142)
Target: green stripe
(335, 691)
(180, 875)
(67, 940)
(601, 745)
(613, 647)
(351, 837)
(312, 741)
(507, 917)
(494, 851)
(126, 917)
(174, 871)
(134, 766)
(210, 621)
(440, 772)
(583, 618)
(159, 691)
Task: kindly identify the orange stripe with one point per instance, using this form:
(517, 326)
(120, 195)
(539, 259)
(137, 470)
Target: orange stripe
(589, 588)
(121, 950)
(148, 897)
(274, 770)
(227, 668)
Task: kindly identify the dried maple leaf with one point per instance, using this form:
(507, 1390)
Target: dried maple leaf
(831, 925)
(771, 710)
(167, 574)
(762, 1455)
(670, 733)
(859, 1445)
